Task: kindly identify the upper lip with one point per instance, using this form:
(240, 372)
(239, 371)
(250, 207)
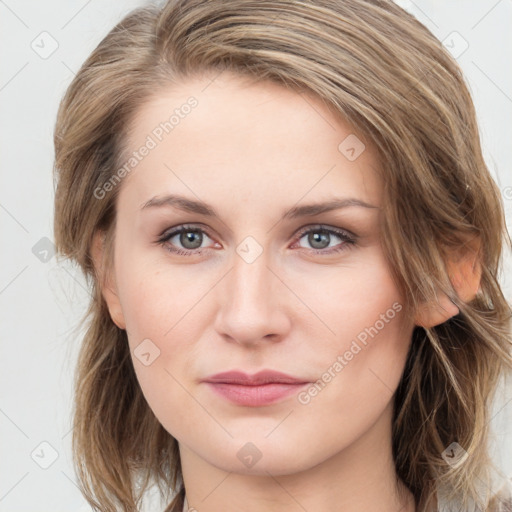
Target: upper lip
(262, 377)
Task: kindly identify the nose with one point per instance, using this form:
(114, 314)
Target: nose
(252, 303)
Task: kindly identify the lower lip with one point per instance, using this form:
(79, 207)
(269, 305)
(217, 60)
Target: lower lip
(254, 396)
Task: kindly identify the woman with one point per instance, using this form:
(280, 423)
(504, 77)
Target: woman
(293, 242)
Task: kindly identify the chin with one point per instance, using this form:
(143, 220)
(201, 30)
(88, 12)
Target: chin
(261, 456)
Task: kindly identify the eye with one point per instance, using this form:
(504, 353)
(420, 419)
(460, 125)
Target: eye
(320, 238)
(190, 237)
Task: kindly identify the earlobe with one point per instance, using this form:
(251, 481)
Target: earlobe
(465, 272)
(430, 315)
(108, 287)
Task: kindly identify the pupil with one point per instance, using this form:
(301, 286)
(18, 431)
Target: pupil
(316, 237)
(188, 236)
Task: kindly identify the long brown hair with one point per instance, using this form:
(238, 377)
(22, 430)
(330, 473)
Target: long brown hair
(374, 65)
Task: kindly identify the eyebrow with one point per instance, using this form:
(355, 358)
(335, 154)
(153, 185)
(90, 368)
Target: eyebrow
(199, 207)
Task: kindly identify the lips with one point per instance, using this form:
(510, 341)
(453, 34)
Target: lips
(260, 378)
(263, 388)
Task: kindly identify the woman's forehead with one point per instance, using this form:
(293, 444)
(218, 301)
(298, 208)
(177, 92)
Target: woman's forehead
(258, 139)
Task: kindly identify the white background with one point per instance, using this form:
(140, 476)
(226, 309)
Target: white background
(42, 302)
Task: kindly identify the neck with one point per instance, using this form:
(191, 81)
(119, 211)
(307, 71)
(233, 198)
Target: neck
(360, 477)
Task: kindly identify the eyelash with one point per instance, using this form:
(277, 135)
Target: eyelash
(348, 239)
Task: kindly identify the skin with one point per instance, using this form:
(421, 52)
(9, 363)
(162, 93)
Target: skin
(253, 151)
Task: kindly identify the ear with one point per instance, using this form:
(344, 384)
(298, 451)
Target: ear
(465, 273)
(108, 286)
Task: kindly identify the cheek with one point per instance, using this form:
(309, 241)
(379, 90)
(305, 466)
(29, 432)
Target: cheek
(164, 313)
(362, 369)
(156, 295)
(351, 297)
(363, 360)
(161, 322)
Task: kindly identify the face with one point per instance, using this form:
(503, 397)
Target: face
(248, 287)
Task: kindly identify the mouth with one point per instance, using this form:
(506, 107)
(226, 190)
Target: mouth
(264, 388)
